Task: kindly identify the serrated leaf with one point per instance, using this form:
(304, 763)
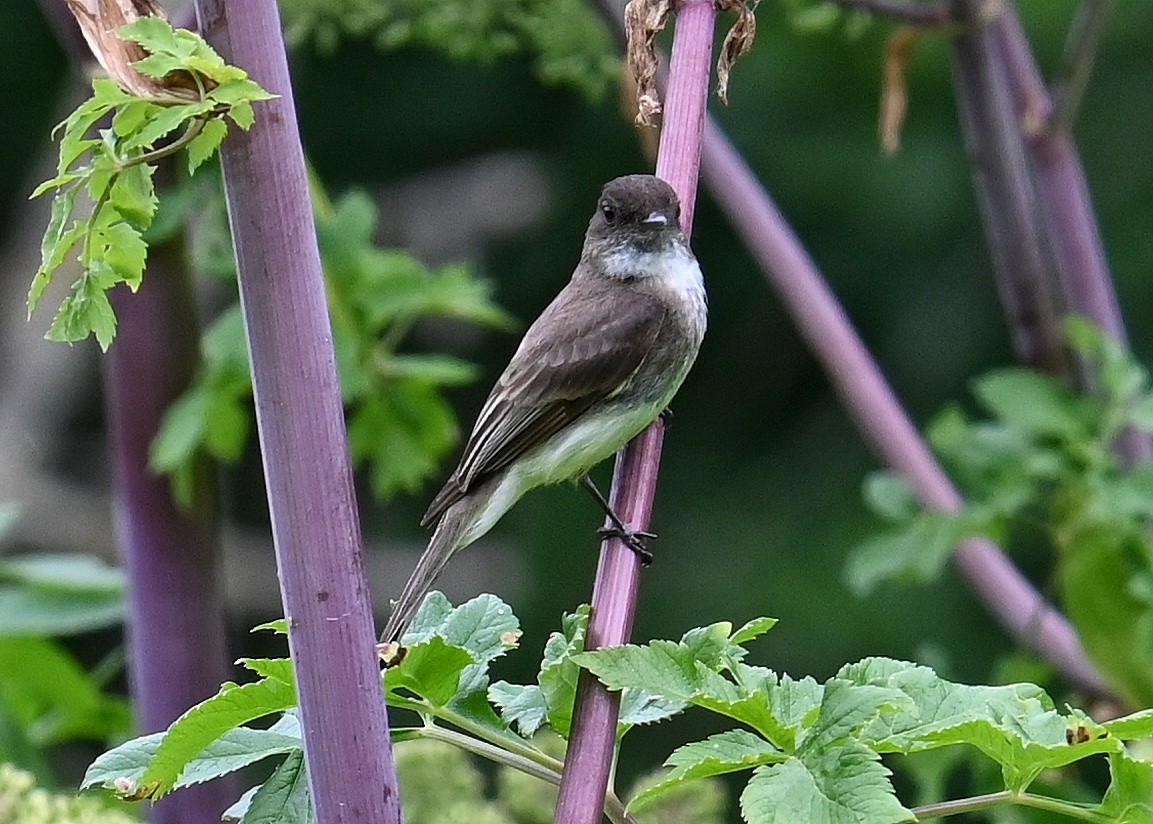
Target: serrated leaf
(125, 252)
(639, 707)
(752, 630)
(278, 626)
(523, 705)
(240, 90)
(200, 726)
(131, 116)
(1032, 402)
(133, 196)
(125, 765)
(718, 754)
(156, 35)
(284, 798)
(277, 668)
(846, 784)
(158, 64)
(205, 144)
(163, 122)
(56, 243)
(242, 115)
(1129, 727)
(431, 668)
(484, 625)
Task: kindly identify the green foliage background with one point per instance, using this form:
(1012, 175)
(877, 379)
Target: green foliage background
(759, 499)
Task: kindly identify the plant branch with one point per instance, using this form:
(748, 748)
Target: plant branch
(868, 397)
(931, 14)
(1077, 63)
(316, 532)
(593, 740)
(984, 802)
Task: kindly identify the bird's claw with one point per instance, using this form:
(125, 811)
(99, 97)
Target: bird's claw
(634, 540)
(666, 416)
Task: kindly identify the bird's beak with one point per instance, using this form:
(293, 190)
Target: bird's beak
(656, 219)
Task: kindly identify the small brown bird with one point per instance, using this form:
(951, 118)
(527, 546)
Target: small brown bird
(597, 367)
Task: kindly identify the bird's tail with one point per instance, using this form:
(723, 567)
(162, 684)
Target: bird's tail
(446, 540)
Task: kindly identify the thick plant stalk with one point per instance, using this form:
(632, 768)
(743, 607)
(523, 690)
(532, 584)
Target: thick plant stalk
(864, 391)
(177, 639)
(302, 434)
(590, 752)
(1022, 258)
(1067, 209)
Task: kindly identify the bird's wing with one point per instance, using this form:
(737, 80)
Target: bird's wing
(581, 350)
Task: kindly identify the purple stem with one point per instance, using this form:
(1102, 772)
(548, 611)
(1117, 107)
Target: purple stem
(1067, 208)
(302, 434)
(591, 745)
(1026, 277)
(177, 638)
(864, 391)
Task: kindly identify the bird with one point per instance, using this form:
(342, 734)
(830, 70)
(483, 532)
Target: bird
(600, 363)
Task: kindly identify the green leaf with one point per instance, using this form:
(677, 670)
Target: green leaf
(52, 697)
(559, 673)
(917, 551)
(63, 572)
(1129, 727)
(200, 726)
(845, 784)
(284, 797)
(523, 705)
(133, 195)
(32, 611)
(484, 625)
(121, 768)
(157, 36)
(752, 630)
(431, 669)
(242, 115)
(278, 626)
(159, 64)
(163, 122)
(56, 244)
(1129, 799)
(442, 370)
(890, 496)
(1032, 402)
(1104, 581)
(181, 431)
(125, 251)
(205, 144)
(718, 754)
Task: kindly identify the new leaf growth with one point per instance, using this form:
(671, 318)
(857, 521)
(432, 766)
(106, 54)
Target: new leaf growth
(114, 168)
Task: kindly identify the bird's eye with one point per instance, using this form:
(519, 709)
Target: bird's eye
(609, 212)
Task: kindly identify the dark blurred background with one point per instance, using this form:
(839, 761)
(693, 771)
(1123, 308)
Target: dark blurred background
(759, 499)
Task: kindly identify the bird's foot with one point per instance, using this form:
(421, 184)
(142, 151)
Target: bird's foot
(666, 416)
(633, 539)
